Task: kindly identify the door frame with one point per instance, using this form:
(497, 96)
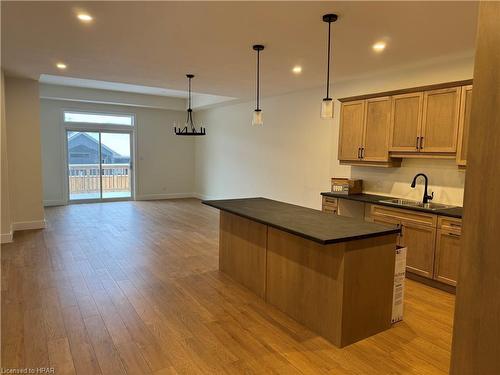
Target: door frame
(100, 128)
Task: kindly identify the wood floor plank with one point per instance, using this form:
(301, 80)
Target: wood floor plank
(60, 356)
(35, 348)
(106, 353)
(84, 358)
(134, 288)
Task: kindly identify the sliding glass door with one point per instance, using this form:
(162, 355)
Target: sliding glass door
(99, 165)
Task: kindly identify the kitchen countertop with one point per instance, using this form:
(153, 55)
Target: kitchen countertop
(305, 222)
(376, 199)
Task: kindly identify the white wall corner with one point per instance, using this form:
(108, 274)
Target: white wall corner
(27, 225)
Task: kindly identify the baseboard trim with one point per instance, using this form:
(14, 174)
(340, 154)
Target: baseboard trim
(203, 197)
(27, 225)
(49, 203)
(151, 197)
(6, 237)
(432, 283)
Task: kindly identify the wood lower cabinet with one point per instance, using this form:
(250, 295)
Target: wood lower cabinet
(420, 241)
(463, 128)
(330, 205)
(388, 221)
(447, 250)
(447, 255)
(433, 241)
(440, 121)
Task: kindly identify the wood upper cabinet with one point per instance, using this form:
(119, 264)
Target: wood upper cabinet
(352, 116)
(420, 241)
(376, 129)
(406, 121)
(463, 125)
(440, 120)
(364, 131)
(427, 122)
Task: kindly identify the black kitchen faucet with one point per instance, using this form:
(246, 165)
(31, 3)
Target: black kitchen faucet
(426, 197)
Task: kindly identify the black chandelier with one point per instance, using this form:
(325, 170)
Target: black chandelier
(189, 119)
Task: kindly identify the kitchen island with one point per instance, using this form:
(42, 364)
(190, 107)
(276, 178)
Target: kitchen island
(332, 274)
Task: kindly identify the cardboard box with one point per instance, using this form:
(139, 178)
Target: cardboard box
(399, 285)
(346, 186)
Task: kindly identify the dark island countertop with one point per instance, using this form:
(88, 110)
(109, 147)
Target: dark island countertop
(305, 222)
(377, 199)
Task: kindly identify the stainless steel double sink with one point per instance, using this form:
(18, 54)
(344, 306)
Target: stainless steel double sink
(410, 203)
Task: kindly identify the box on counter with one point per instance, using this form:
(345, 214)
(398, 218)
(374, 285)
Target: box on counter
(346, 186)
(399, 284)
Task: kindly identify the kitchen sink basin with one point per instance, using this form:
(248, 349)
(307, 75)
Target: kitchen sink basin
(410, 203)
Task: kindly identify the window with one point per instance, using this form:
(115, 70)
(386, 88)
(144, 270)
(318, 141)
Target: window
(97, 118)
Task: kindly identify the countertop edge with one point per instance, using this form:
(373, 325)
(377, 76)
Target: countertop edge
(302, 235)
(356, 197)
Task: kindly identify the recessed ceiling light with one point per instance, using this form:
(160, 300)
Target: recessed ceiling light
(84, 17)
(297, 69)
(61, 65)
(379, 46)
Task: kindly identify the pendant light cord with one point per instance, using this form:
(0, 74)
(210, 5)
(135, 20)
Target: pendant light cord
(258, 77)
(190, 111)
(328, 63)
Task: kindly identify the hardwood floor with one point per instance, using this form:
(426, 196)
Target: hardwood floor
(133, 288)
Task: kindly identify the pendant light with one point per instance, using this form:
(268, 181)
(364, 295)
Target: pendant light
(189, 119)
(257, 114)
(327, 103)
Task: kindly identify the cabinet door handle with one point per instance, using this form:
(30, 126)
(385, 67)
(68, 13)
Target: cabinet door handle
(416, 145)
(421, 143)
(453, 234)
(359, 152)
(362, 152)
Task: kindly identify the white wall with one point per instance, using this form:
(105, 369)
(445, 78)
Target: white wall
(293, 156)
(164, 162)
(22, 120)
(5, 218)
(286, 159)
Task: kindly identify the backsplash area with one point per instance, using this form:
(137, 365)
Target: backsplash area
(445, 180)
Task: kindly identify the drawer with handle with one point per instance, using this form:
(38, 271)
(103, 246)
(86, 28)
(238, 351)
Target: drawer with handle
(330, 205)
(413, 217)
(450, 224)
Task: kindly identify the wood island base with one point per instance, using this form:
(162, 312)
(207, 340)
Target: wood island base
(341, 291)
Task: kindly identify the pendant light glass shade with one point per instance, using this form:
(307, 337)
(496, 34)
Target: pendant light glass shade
(327, 103)
(327, 108)
(257, 117)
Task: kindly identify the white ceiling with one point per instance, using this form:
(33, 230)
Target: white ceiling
(156, 43)
(199, 99)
